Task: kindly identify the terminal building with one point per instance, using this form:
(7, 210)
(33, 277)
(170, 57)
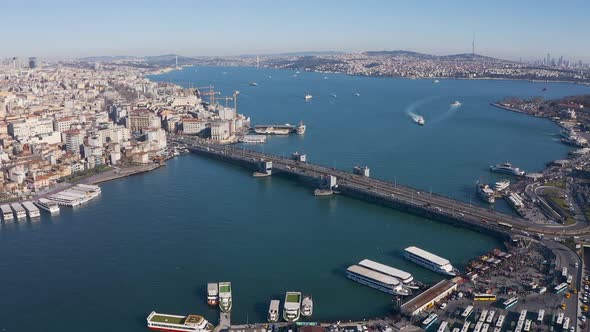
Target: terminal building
(429, 297)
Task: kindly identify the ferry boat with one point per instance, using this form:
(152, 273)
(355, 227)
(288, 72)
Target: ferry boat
(18, 210)
(272, 130)
(253, 84)
(456, 103)
(32, 210)
(430, 261)
(507, 168)
(501, 185)
(377, 280)
(435, 81)
(6, 213)
(486, 193)
(292, 306)
(212, 294)
(307, 306)
(225, 301)
(191, 323)
(301, 128)
(47, 205)
(273, 311)
(308, 97)
(256, 139)
(419, 119)
(357, 94)
(406, 278)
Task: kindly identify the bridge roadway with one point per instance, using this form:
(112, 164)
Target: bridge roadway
(386, 193)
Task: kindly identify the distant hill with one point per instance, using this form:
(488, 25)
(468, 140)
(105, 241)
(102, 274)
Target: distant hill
(423, 56)
(399, 53)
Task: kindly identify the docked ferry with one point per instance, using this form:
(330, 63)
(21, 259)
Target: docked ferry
(32, 210)
(292, 306)
(300, 129)
(406, 278)
(225, 301)
(507, 168)
(307, 306)
(212, 294)
(430, 261)
(18, 210)
(6, 213)
(273, 311)
(253, 139)
(48, 205)
(486, 193)
(174, 323)
(501, 185)
(377, 280)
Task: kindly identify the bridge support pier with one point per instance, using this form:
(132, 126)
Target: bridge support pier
(264, 169)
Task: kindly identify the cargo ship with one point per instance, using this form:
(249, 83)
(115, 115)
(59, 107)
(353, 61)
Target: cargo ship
(225, 301)
(175, 323)
(292, 306)
(212, 294)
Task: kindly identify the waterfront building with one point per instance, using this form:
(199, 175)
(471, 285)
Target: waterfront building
(191, 126)
(73, 140)
(220, 130)
(142, 118)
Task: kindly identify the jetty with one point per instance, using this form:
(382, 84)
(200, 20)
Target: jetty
(359, 185)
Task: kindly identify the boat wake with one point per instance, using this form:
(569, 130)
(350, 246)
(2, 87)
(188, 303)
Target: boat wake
(415, 117)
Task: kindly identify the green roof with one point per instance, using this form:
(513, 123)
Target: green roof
(167, 319)
(293, 298)
(224, 289)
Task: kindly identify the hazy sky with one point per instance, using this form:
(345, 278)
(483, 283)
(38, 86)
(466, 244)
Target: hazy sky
(506, 29)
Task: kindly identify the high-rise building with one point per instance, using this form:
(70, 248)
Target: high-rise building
(32, 62)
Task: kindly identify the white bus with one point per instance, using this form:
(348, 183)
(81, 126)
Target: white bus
(467, 312)
(500, 321)
(443, 326)
(490, 317)
(541, 316)
(465, 327)
(560, 288)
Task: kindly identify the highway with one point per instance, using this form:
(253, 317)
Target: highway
(387, 193)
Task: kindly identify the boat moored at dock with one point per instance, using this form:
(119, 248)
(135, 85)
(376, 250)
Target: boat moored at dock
(212, 294)
(292, 306)
(19, 211)
(191, 323)
(78, 194)
(430, 261)
(377, 280)
(273, 311)
(31, 209)
(47, 205)
(307, 306)
(406, 278)
(501, 185)
(6, 213)
(225, 300)
(255, 139)
(486, 193)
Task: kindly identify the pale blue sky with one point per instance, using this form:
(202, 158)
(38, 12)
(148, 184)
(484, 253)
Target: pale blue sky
(507, 29)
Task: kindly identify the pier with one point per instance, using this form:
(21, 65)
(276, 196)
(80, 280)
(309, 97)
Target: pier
(359, 185)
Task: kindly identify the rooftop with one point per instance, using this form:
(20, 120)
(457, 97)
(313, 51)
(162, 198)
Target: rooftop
(427, 255)
(163, 318)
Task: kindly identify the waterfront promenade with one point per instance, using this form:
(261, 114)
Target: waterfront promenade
(381, 192)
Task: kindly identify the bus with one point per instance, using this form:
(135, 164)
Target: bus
(500, 321)
(564, 271)
(443, 326)
(560, 288)
(540, 316)
(484, 297)
(485, 327)
(467, 312)
(429, 321)
(527, 325)
(490, 317)
(478, 326)
(510, 302)
(559, 320)
(483, 316)
(465, 327)
(505, 225)
(566, 323)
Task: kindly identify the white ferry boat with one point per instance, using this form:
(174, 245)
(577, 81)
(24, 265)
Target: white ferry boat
(292, 306)
(307, 306)
(308, 97)
(486, 193)
(225, 301)
(419, 119)
(456, 103)
(48, 205)
(6, 213)
(32, 210)
(190, 323)
(501, 185)
(377, 280)
(272, 131)
(273, 311)
(406, 278)
(301, 128)
(507, 168)
(430, 261)
(18, 210)
(256, 139)
(212, 294)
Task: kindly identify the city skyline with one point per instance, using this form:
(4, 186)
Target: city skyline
(67, 29)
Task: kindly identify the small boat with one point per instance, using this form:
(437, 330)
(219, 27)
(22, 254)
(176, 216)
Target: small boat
(333, 95)
(456, 103)
(300, 129)
(307, 306)
(419, 120)
(292, 306)
(225, 298)
(212, 294)
(298, 72)
(308, 97)
(357, 94)
(273, 311)
(435, 81)
(253, 84)
(486, 193)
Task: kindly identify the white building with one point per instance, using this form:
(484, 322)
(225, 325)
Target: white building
(220, 130)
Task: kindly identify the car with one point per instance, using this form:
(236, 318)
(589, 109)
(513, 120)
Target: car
(572, 329)
(443, 305)
(568, 295)
(576, 265)
(583, 319)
